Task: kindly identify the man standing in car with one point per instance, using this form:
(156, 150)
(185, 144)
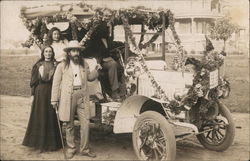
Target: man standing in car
(98, 47)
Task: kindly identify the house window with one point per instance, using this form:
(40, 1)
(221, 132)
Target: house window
(184, 26)
(214, 4)
(202, 27)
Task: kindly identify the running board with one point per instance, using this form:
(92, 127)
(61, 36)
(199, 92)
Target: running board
(183, 130)
(183, 136)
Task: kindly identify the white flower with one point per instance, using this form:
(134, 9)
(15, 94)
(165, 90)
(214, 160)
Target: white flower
(198, 86)
(203, 71)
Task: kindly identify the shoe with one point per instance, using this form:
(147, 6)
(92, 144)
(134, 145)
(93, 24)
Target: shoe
(69, 155)
(115, 95)
(89, 154)
(117, 100)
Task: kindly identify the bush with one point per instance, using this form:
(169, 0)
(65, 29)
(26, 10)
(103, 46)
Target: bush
(235, 53)
(192, 51)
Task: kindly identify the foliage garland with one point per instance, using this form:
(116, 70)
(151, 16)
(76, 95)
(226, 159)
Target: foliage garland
(31, 26)
(41, 22)
(151, 19)
(87, 36)
(74, 30)
(181, 56)
(130, 16)
(160, 92)
(125, 16)
(153, 38)
(210, 62)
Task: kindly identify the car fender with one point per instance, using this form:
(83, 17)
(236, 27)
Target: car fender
(131, 108)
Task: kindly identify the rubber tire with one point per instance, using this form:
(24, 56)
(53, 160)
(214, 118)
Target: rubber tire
(166, 129)
(230, 133)
(228, 88)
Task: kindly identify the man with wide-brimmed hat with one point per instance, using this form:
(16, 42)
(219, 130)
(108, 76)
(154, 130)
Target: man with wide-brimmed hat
(70, 87)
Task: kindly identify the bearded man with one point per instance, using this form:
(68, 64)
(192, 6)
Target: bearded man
(70, 87)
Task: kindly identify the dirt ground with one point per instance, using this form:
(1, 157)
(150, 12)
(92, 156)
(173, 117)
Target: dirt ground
(15, 113)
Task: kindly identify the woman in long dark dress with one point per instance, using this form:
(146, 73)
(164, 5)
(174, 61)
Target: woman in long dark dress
(43, 131)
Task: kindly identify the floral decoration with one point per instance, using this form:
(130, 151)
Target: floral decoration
(152, 19)
(139, 15)
(153, 38)
(160, 93)
(89, 33)
(109, 117)
(181, 55)
(210, 62)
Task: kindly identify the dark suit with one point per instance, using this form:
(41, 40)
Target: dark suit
(95, 48)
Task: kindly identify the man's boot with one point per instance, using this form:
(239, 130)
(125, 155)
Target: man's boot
(115, 95)
(89, 154)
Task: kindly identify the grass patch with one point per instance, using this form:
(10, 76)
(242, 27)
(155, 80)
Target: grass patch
(15, 77)
(237, 72)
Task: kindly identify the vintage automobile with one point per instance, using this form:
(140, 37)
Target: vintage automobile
(162, 103)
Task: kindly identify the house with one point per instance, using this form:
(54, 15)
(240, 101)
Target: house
(192, 20)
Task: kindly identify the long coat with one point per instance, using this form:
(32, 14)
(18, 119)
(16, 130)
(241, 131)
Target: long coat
(62, 88)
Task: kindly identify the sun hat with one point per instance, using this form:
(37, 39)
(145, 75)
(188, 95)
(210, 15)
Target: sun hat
(73, 44)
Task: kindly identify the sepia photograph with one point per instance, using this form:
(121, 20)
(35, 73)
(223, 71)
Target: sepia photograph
(147, 80)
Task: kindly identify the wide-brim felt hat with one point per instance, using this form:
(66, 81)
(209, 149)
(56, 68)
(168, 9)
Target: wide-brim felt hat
(73, 44)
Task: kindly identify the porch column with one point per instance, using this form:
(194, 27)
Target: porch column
(193, 26)
(163, 37)
(192, 44)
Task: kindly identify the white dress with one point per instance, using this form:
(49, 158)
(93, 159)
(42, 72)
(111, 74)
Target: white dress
(58, 47)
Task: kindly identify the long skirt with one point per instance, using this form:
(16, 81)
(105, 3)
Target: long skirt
(43, 130)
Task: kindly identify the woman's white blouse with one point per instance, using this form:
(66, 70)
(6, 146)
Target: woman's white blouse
(58, 49)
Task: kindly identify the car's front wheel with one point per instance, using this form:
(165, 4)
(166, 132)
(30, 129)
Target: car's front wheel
(153, 137)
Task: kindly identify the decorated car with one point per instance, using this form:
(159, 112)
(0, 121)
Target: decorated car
(161, 103)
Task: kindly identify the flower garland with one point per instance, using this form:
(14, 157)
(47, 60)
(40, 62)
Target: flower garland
(31, 26)
(210, 62)
(39, 37)
(87, 36)
(153, 38)
(160, 93)
(153, 20)
(109, 117)
(74, 30)
(141, 14)
(28, 43)
(181, 56)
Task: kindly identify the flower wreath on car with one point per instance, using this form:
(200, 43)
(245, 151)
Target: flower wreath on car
(126, 17)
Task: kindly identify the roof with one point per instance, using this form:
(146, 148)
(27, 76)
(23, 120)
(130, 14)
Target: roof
(51, 10)
(208, 15)
(84, 16)
(81, 12)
